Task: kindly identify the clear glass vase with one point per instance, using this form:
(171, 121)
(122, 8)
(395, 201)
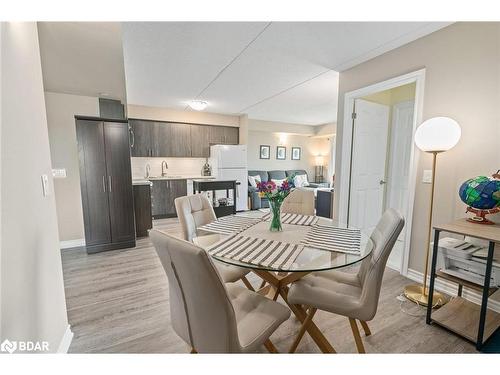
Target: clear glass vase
(275, 216)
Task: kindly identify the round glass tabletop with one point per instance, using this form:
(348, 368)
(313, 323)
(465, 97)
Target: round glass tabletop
(309, 259)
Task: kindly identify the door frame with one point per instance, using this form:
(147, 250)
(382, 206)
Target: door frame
(417, 77)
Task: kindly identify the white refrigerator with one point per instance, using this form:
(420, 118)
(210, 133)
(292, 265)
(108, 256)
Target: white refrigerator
(229, 162)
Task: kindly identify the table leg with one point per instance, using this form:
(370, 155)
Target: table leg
(484, 302)
(433, 275)
(312, 328)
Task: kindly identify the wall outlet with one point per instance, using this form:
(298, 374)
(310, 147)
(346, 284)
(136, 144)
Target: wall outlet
(427, 176)
(45, 185)
(59, 173)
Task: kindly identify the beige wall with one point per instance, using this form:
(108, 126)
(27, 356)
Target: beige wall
(61, 111)
(311, 147)
(462, 65)
(33, 304)
(167, 114)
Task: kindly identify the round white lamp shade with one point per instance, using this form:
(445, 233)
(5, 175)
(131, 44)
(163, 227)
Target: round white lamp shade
(438, 134)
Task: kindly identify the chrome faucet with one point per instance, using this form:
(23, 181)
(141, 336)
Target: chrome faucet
(148, 170)
(164, 172)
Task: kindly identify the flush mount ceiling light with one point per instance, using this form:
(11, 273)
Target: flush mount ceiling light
(198, 105)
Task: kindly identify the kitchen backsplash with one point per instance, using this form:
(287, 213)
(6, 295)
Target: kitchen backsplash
(176, 166)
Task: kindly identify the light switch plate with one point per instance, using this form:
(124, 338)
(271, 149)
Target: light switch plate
(45, 185)
(59, 172)
(427, 176)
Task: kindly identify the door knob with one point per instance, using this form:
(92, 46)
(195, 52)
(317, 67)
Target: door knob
(382, 182)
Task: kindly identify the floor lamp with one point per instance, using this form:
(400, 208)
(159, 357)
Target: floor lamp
(436, 135)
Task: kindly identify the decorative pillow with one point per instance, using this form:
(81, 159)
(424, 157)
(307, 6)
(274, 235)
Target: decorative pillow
(278, 182)
(300, 180)
(254, 180)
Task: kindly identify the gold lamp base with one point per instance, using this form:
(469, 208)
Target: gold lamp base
(415, 293)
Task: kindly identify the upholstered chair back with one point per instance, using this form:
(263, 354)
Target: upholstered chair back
(193, 211)
(372, 268)
(178, 315)
(299, 201)
(203, 298)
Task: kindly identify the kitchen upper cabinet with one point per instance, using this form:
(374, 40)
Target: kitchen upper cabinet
(170, 139)
(200, 146)
(162, 139)
(216, 135)
(231, 135)
(181, 136)
(141, 138)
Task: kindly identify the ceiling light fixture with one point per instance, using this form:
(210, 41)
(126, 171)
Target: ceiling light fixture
(198, 105)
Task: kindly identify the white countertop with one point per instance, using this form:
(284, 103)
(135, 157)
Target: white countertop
(146, 181)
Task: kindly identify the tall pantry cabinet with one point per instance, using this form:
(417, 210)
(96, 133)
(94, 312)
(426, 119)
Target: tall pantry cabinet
(106, 183)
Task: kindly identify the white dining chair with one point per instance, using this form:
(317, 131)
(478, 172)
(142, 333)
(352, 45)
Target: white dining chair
(210, 316)
(195, 211)
(299, 201)
(354, 295)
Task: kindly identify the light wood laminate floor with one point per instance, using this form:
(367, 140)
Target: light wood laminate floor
(117, 302)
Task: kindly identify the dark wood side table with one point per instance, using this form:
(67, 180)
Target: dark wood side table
(324, 203)
(214, 185)
(473, 322)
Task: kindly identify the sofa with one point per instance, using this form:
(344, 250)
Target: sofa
(256, 201)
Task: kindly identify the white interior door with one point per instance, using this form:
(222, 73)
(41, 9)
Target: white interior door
(368, 164)
(399, 166)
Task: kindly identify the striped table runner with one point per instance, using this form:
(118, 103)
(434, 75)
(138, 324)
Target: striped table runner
(296, 219)
(258, 251)
(230, 224)
(344, 240)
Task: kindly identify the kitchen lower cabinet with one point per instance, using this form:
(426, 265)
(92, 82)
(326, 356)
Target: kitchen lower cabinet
(142, 209)
(164, 193)
(106, 184)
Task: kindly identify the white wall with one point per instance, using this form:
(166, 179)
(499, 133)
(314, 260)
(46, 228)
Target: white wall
(188, 167)
(462, 63)
(61, 111)
(33, 304)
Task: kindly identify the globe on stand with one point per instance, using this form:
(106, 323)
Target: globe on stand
(482, 195)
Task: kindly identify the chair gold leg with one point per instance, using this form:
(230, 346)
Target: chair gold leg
(357, 337)
(193, 351)
(247, 283)
(303, 329)
(270, 346)
(365, 327)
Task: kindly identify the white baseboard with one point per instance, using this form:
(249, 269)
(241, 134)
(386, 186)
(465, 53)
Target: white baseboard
(394, 266)
(65, 341)
(450, 288)
(72, 243)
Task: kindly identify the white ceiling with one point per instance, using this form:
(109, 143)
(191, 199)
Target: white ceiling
(82, 58)
(284, 71)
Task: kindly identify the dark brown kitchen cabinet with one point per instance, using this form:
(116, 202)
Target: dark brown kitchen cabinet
(161, 139)
(200, 146)
(216, 135)
(163, 196)
(224, 135)
(142, 209)
(141, 138)
(231, 135)
(106, 184)
(181, 136)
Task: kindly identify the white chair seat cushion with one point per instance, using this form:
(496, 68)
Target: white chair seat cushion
(228, 273)
(257, 317)
(333, 291)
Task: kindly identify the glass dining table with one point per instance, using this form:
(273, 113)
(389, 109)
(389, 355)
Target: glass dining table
(276, 279)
